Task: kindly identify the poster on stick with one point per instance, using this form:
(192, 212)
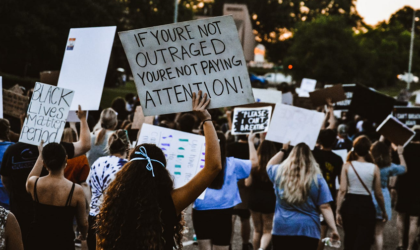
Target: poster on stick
(295, 124)
(14, 104)
(395, 131)
(184, 152)
(246, 120)
(85, 63)
(172, 61)
(47, 114)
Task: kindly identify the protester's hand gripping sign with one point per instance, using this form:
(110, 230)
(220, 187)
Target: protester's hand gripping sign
(47, 114)
(246, 120)
(170, 62)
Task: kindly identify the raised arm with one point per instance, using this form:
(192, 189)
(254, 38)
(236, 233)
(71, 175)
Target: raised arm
(185, 195)
(83, 144)
(36, 170)
(378, 193)
(253, 157)
(342, 192)
(277, 159)
(400, 151)
(332, 120)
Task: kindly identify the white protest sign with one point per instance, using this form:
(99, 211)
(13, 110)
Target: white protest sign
(184, 152)
(287, 98)
(307, 85)
(72, 117)
(295, 124)
(267, 95)
(246, 120)
(342, 153)
(172, 61)
(1, 97)
(47, 114)
(85, 64)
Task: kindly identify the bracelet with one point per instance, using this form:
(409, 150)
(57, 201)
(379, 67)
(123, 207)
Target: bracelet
(202, 123)
(283, 150)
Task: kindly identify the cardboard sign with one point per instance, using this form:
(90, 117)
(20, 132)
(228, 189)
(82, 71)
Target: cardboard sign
(47, 114)
(49, 77)
(1, 97)
(184, 152)
(246, 120)
(85, 64)
(172, 61)
(344, 105)
(296, 125)
(139, 119)
(267, 95)
(14, 104)
(319, 97)
(370, 104)
(410, 116)
(395, 131)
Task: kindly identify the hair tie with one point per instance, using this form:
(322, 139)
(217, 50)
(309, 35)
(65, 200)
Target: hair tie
(142, 151)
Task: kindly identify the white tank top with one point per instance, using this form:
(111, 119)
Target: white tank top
(366, 172)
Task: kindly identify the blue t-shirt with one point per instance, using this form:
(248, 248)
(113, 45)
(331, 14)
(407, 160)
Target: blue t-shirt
(390, 171)
(228, 196)
(4, 196)
(299, 220)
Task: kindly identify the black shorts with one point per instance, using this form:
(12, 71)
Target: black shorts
(214, 225)
(243, 213)
(294, 242)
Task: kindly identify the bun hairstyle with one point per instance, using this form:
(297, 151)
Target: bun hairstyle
(108, 120)
(55, 156)
(361, 147)
(381, 154)
(118, 142)
(4, 130)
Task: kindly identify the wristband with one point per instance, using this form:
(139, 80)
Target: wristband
(283, 150)
(202, 123)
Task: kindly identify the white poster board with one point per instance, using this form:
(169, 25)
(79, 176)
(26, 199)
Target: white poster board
(72, 117)
(295, 124)
(307, 85)
(246, 120)
(342, 153)
(184, 152)
(47, 114)
(172, 61)
(267, 95)
(417, 99)
(85, 64)
(1, 97)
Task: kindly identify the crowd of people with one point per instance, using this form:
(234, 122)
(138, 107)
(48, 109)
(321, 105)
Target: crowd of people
(98, 190)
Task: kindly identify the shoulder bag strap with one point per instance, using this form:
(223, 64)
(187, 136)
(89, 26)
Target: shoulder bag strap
(360, 179)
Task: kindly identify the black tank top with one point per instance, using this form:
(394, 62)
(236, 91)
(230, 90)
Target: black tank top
(52, 227)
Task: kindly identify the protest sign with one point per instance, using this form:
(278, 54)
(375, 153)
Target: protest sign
(47, 114)
(246, 120)
(287, 98)
(395, 131)
(344, 105)
(72, 117)
(319, 97)
(184, 152)
(139, 118)
(307, 86)
(14, 104)
(267, 95)
(49, 77)
(1, 97)
(172, 61)
(85, 64)
(370, 104)
(342, 153)
(410, 116)
(294, 124)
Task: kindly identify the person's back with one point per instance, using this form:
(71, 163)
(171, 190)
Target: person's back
(366, 171)
(98, 149)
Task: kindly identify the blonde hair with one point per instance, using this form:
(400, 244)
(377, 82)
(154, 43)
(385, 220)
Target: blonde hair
(69, 135)
(296, 175)
(108, 120)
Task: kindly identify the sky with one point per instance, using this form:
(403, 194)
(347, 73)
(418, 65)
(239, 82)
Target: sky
(375, 11)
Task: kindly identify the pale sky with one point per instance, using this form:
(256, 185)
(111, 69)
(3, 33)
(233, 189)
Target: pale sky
(375, 11)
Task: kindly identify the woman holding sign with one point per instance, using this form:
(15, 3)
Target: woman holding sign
(141, 210)
(302, 193)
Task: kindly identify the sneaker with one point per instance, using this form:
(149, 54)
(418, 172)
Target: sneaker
(247, 246)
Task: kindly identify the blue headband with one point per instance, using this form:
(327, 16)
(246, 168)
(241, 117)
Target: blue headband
(142, 151)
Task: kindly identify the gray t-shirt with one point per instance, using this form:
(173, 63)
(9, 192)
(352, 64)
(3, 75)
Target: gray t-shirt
(97, 151)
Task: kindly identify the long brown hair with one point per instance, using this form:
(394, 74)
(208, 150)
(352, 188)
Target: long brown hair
(361, 147)
(130, 217)
(108, 120)
(265, 152)
(381, 154)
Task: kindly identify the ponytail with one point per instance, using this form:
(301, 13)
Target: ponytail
(118, 142)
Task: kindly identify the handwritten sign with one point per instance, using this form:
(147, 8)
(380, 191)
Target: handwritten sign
(184, 152)
(247, 119)
(47, 114)
(170, 62)
(14, 104)
(296, 125)
(410, 116)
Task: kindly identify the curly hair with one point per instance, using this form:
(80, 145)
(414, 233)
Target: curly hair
(131, 215)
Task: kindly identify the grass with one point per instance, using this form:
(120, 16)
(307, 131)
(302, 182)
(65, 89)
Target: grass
(109, 94)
